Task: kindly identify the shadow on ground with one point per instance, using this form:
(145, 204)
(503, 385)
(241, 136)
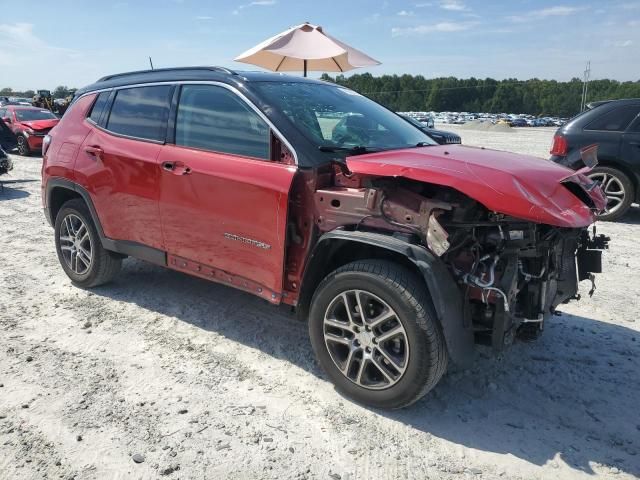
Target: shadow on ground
(632, 217)
(571, 396)
(8, 191)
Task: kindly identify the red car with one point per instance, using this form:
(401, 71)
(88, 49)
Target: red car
(29, 124)
(400, 253)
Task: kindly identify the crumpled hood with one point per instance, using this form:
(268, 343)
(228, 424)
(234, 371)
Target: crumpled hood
(41, 124)
(521, 186)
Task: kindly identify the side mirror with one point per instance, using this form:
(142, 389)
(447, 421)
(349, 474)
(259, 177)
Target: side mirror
(6, 119)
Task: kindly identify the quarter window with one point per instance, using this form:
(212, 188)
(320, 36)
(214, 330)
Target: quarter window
(141, 112)
(98, 107)
(213, 118)
(616, 120)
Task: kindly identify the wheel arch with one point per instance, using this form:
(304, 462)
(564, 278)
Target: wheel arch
(633, 177)
(339, 247)
(61, 188)
(59, 191)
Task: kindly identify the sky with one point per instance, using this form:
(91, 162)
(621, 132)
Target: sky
(74, 43)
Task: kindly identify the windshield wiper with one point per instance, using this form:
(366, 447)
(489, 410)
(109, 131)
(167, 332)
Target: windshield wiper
(357, 149)
(423, 144)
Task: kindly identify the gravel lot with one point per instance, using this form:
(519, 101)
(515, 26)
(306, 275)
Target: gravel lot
(164, 375)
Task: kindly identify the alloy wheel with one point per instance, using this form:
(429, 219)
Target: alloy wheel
(75, 244)
(22, 146)
(365, 339)
(612, 188)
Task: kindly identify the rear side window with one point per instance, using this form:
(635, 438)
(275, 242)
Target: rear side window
(98, 106)
(141, 112)
(213, 118)
(616, 120)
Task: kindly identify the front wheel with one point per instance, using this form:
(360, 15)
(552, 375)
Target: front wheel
(23, 146)
(618, 189)
(375, 335)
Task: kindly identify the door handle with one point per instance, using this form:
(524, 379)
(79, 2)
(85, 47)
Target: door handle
(93, 150)
(177, 168)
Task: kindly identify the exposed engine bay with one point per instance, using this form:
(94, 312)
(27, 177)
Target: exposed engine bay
(512, 273)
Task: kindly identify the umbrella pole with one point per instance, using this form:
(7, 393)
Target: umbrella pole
(305, 67)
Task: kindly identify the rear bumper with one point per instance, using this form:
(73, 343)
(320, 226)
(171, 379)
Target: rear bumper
(560, 160)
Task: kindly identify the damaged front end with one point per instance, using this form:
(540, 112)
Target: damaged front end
(512, 273)
(515, 273)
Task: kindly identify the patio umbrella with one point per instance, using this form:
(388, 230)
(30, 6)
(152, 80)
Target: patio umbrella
(305, 47)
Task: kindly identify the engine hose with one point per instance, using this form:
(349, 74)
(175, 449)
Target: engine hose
(499, 292)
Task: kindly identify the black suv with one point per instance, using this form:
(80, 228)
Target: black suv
(614, 126)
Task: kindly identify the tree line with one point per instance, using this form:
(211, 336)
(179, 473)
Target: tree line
(415, 93)
(59, 92)
(536, 97)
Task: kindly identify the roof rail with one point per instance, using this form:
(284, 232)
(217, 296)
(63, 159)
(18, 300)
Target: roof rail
(172, 69)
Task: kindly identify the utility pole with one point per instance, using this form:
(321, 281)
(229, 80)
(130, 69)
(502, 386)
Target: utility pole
(585, 86)
(151, 63)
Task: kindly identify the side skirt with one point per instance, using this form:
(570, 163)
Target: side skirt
(220, 276)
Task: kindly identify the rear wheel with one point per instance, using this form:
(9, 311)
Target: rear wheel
(79, 249)
(23, 146)
(374, 334)
(618, 189)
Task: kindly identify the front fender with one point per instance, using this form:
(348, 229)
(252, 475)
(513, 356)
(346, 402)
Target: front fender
(446, 298)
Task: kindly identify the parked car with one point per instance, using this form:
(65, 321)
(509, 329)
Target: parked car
(21, 101)
(400, 253)
(7, 143)
(440, 136)
(29, 124)
(4, 101)
(615, 127)
(427, 121)
(518, 122)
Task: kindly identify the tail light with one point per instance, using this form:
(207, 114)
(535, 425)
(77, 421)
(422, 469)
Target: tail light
(560, 146)
(46, 141)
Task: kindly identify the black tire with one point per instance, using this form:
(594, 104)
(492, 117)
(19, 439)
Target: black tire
(624, 182)
(23, 146)
(104, 265)
(406, 294)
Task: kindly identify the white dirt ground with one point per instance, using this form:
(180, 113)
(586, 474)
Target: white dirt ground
(203, 381)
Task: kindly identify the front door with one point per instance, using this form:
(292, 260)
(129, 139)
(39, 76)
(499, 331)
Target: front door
(223, 202)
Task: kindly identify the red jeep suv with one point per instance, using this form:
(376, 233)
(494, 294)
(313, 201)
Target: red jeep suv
(29, 124)
(400, 253)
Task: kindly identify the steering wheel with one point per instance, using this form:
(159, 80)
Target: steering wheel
(354, 136)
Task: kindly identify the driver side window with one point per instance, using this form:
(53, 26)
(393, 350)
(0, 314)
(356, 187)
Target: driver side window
(215, 119)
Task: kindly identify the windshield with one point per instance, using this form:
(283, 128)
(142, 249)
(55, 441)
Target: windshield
(29, 115)
(336, 117)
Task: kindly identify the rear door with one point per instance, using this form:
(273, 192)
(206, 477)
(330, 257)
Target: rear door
(606, 130)
(223, 201)
(631, 146)
(118, 162)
